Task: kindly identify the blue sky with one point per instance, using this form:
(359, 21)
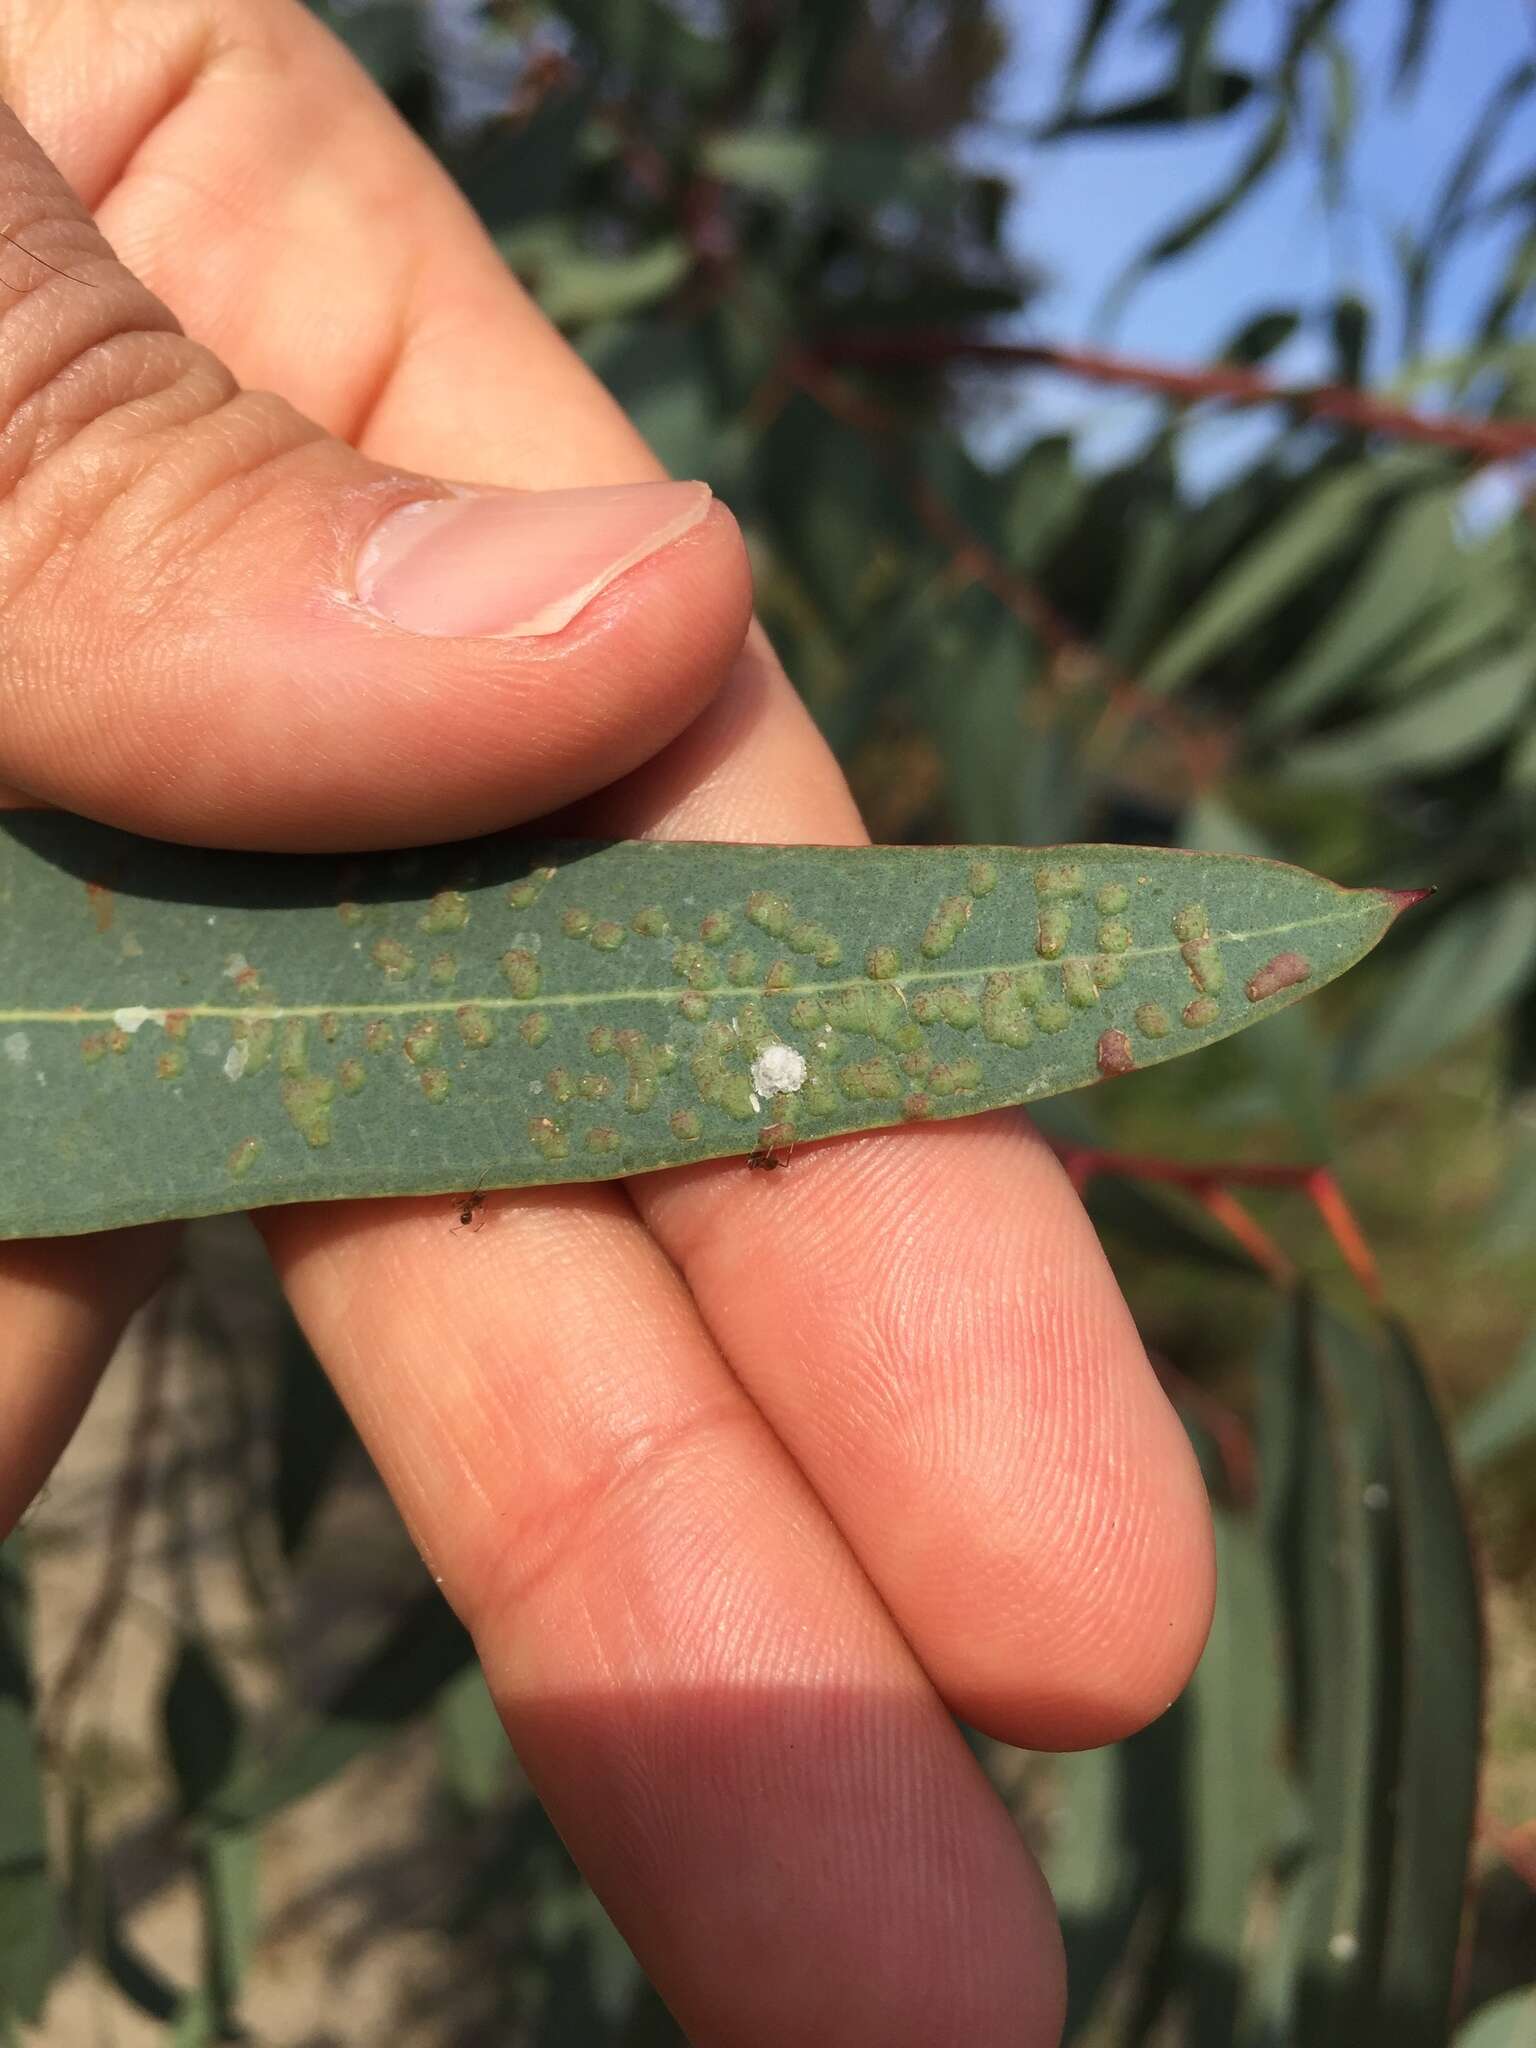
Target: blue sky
(1088, 205)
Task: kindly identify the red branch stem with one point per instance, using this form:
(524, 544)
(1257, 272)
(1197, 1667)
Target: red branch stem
(1486, 440)
(1211, 1186)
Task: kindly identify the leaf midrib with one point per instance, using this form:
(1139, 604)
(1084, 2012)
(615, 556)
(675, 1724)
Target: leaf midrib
(578, 998)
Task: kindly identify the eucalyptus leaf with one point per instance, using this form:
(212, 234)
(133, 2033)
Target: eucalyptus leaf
(1463, 973)
(1192, 227)
(1382, 612)
(1504, 1420)
(185, 1032)
(854, 173)
(581, 285)
(1235, 1796)
(1096, 19)
(1270, 570)
(1418, 19)
(1438, 729)
(1225, 90)
(1433, 1799)
(202, 1725)
(473, 1753)
(1092, 1878)
(1507, 2022)
(1340, 1610)
(28, 1911)
(227, 1876)
(426, 1649)
(1261, 336)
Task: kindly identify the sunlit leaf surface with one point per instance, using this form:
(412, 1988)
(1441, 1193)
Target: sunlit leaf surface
(185, 1032)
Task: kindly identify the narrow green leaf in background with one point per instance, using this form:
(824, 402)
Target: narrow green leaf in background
(1261, 336)
(183, 1032)
(28, 1911)
(1382, 1612)
(1475, 957)
(856, 173)
(1433, 1798)
(1507, 2022)
(474, 1755)
(1454, 202)
(1349, 323)
(1341, 1616)
(1193, 227)
(310, 1429)
(1504, 1420)
(1343, 113)
(1097, 16)
(425, 1649)
(202, 1726)
(1438, 729)
(103, 1936)
(1418, 19)
(1235, 1797)
(1228, 90)
(575, 284)
(1387, 602)
(1267, 571)
(229, 1860)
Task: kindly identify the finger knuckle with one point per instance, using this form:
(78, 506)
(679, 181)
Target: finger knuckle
(621, 1508)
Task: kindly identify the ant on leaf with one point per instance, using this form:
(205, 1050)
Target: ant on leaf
(772, 1140)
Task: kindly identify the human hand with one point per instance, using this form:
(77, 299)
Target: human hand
(744, 1483)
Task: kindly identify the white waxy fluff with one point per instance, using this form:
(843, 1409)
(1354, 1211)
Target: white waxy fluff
(778, 1070)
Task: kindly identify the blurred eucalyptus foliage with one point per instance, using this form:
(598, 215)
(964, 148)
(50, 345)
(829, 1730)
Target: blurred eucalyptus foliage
(760, 223)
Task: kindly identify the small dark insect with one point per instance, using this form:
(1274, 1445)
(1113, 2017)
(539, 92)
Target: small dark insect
(470, 1206)
(772, 1140)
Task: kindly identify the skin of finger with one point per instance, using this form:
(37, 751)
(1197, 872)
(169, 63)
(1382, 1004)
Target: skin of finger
(183, 654)
(63, 1308)
(753, 766)
(687, 1656)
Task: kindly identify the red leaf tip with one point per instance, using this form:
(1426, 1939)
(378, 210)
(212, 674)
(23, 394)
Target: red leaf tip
(1404, 899)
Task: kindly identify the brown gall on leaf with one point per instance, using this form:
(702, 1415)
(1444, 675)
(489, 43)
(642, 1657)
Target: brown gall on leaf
(1286, 970)
(101, 904)
(1115, 1054)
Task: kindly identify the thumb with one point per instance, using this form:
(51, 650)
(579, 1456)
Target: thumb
(223, 625)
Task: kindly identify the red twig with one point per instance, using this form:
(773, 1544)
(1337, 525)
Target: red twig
(1486, 440)
(1223, 1207)
(1327, 1198)
(1179, 1173)
(1211, 1186)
